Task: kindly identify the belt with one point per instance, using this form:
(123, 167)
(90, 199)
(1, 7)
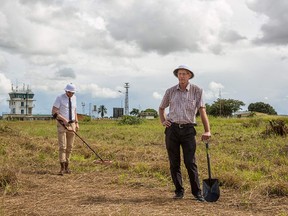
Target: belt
(188, 125)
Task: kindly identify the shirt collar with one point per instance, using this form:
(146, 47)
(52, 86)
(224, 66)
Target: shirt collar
(187, 87)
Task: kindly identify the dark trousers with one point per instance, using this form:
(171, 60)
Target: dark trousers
(184, 137)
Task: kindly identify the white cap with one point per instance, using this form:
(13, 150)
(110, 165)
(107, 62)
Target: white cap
(183, 67)
(70, 87)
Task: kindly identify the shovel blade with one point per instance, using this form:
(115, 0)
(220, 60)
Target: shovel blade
(211, 190)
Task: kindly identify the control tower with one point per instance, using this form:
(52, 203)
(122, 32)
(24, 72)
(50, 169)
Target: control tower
(21, 100)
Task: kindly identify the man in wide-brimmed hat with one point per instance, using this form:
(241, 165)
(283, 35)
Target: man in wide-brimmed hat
(64, 110)
(184, 101)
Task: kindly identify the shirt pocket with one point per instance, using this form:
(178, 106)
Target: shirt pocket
(191, 105)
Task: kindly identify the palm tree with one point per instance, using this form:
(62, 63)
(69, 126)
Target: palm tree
(135, 112)
(102, 110)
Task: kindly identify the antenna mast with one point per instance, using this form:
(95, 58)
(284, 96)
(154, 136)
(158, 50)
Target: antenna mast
(220, 101)
(126, 99)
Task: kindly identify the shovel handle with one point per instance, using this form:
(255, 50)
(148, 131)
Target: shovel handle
(208, 161)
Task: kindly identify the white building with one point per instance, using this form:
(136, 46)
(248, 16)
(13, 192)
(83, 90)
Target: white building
(21, 101)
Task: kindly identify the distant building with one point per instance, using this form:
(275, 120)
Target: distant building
(117, 112)
(21, 105)
(21, 101)
(147, 115)
(241, 114)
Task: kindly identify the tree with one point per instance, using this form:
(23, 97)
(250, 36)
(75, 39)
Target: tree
(208, 109)
(149, 112)
(262, 107)
(135, 112)
(102, 110)
(224, 107)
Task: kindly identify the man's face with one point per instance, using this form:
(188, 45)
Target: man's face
(183, 75)
(69, 94)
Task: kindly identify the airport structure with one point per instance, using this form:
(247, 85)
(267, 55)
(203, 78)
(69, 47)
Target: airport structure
(126, 109)
(126, 99)
(21, 100)
(21, 105)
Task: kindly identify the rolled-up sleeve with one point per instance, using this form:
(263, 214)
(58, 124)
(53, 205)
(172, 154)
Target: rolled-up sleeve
(165, 100)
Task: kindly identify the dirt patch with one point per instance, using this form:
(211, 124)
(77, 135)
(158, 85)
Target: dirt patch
(99, 193)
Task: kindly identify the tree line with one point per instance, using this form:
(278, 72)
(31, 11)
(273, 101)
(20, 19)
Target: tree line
(227, 107)
(220, 107)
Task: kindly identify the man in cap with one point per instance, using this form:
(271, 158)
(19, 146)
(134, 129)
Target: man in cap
(64, 110)
(184, 101)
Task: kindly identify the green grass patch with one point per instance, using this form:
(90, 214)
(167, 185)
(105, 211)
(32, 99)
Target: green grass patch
(241, 157)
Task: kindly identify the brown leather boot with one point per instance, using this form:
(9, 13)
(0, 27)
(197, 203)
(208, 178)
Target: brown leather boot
(62, 170)
(67, 170)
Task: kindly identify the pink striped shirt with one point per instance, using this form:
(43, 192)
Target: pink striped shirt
(183, 105)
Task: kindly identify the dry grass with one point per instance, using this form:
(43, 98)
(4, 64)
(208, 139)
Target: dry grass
(252, 171)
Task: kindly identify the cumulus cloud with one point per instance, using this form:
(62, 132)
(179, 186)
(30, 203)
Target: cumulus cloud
(66, 73)
(53, 31)
(36, 37)
(273, 31)
(5, 85)
(214, 90)
(3, 61)
(157, 95)
(231, 36)
(97, 91)
(170, 26)
(83, 42)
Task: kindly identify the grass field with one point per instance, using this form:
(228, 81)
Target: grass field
(251, 165)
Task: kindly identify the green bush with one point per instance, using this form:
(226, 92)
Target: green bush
(130, 120)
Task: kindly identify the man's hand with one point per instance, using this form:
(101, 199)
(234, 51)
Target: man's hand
(206, 136)
(77, 126)
(166, 123)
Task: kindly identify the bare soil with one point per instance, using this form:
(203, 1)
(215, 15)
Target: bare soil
(43, 192)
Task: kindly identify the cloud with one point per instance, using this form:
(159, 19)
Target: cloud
(168, 26)
(49, 38)
(231, 36)
(214, 90)
(66, 73)
(37, 36)
(3, 61)
(100, 45)
(157, 95)
(5, 85)
(273, 31)
(98, 92)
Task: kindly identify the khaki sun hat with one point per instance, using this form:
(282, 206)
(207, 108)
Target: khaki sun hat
(183, 67)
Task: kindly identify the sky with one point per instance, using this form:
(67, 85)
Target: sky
(236, 49)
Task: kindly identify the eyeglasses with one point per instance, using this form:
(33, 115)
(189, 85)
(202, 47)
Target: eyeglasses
(70, 92)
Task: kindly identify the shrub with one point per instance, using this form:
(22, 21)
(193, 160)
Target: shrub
(130, 120)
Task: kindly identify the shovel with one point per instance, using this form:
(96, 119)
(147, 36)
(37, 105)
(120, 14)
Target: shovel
(211, 190)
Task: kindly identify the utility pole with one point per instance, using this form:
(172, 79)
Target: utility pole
(126, 99)
(220, 101)
(83, 108)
